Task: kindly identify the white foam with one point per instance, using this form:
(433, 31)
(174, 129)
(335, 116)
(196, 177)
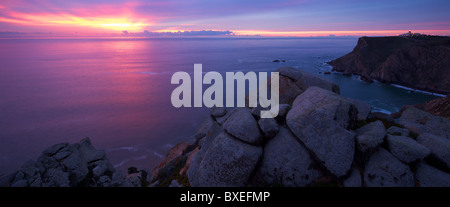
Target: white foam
(157, 154)
(121, 163)
(132, 149)
(416, 90)
(376, 109)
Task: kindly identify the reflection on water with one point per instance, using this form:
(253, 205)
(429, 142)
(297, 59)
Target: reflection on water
(117, 91)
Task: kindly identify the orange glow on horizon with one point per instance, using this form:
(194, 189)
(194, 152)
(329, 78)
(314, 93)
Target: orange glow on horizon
(114, 23)
(127, 21)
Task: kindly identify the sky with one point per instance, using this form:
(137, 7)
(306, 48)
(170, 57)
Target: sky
(223, 17)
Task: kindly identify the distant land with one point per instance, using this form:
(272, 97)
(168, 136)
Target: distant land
(413, 60)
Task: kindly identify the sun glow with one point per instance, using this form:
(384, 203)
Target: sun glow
(101, 22)
(117, 24)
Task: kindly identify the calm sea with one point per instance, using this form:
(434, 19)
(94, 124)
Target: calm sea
(117, 91)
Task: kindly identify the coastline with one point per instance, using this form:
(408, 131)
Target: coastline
(415, 62)
(362, 143)
(417, 90)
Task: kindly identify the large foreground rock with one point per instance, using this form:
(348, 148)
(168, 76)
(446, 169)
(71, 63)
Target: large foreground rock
(286, 162)
(363, 109)
(319, 118)
(370, 136)
(429, 176)
(384, 170)
(406, 149)
(227, 163)
(288, 90)
(439, 147)
(419, 122)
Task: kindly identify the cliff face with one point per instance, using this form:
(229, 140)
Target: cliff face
(417, 62)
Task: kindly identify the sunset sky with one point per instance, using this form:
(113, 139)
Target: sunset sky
(223, 17)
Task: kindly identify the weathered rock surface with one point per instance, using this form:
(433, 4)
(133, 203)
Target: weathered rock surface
(439, 106)
(319, 118)
(354, 180)
(228, 162)
(243, 126)
(406, 149)
(64, 165)
(283, 109)
(370, 136)
(286, 162)
(363, 109)
(222, 119)
(439, 147)
(396, 131)
(173, 153)
(189, 160)
(288, 90)
(384, 170)
(419, 122)
(381, 115)
(218, 111)
(269, 127)
(429, 176)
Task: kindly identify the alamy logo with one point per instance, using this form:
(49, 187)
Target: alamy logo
(217, 90)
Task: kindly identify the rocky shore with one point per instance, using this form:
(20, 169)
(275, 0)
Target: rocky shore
(319, 138)
(72, 165)
(421, 62)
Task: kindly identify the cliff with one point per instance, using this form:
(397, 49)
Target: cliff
(418, 62)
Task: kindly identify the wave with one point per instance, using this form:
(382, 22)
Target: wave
(419, 91)
(159, 155)
(132, 149)
(376, 109)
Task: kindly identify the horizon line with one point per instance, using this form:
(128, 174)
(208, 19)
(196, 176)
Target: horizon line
(220, 33)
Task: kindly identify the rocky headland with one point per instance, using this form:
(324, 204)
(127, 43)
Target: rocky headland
(419, 62)
(439, 107)
(319, 138)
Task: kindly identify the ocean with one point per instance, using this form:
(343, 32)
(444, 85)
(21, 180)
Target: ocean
(116, 91)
